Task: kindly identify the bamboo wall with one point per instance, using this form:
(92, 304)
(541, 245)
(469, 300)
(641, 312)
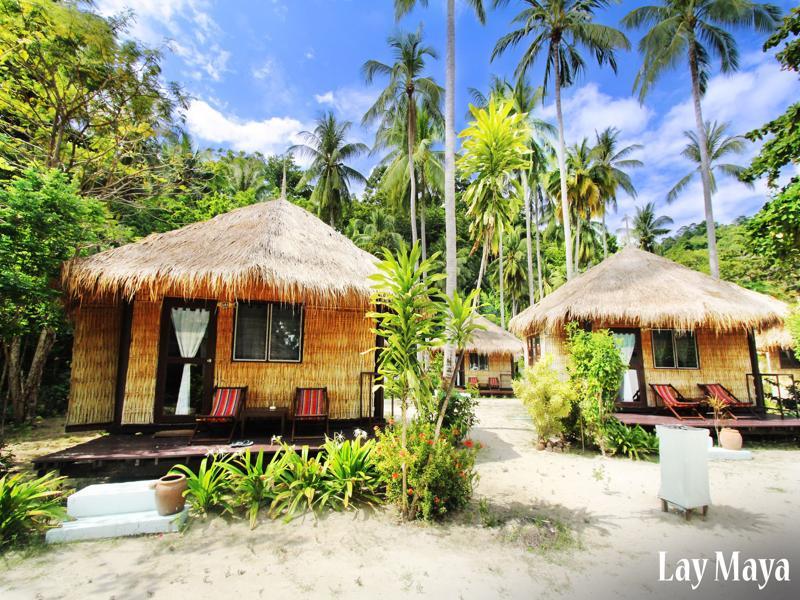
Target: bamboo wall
(335, 352)
(499, 364)
(140, 386)
(334, 342)
(772, 364)
(723, 358)
(93, 374)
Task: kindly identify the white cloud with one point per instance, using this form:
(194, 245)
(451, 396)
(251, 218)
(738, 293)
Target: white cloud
(350, 102)
(272, 135)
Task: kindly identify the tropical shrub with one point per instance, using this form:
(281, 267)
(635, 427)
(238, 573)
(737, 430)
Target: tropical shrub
(596, 370)
(440, 471)
(208, 489)
(547, 397)
(633, 442)
(351, 476)
(253, 481)
(301, 486)
(29, 506)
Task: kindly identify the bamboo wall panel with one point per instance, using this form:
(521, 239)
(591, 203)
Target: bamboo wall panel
(335, 345)
(724, 358)
(140, 386)
(93, 373)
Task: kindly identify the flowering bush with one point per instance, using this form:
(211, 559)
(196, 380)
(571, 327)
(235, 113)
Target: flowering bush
(441, 474)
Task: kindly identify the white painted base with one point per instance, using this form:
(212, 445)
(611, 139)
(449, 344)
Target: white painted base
(715, 453)
(109, 526)
(112, 499)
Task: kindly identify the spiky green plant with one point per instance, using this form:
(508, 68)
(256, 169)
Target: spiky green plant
(209, 488)
(351, 477)
(29, 506)
(254, 481)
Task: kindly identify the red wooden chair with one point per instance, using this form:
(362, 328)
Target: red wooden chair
(494, 383)
(225, 412)
(472, 381)
(311, 404)
(719, 391)
(674, 401)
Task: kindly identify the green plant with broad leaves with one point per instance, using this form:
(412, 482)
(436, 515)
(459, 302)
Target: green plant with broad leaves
(301, 487)
(209, 488)
(632, 441)
(29, 505)
(596, 370)
(253, 481)
(351, 477)
(549, 400)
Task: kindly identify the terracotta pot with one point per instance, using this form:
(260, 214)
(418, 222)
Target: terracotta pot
(730, 439)
(169, 494)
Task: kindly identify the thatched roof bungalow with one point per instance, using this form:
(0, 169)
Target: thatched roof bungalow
(777, 346)
(266, 296)
(675, 325)
(490, 356)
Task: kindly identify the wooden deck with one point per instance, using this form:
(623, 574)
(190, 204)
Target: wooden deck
(772, 424)
(127, 456)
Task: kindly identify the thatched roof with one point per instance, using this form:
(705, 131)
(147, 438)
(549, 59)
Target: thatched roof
(494, 339)
(640, 289)
(774, 338)
(272, 245)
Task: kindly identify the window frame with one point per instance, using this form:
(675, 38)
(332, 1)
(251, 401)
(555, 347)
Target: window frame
(268, 344)
(674, 350)
(480, 356)
(785, 356)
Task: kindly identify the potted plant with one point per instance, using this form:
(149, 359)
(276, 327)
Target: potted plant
(727, 437)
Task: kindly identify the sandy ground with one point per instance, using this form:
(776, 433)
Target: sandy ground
(609, 504)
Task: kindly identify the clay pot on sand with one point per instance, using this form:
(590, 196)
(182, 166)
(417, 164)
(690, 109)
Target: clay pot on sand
(169, 494)
(730, 439)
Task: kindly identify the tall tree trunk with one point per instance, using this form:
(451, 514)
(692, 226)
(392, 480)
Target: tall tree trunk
(502, 286)
(451, 258)
(605, 235)
(33, 381)
(412, 180)
(537, 207)
(422, 234)
(23, 390)
(526, 198)
(482, 269)
(705, 164)
(577, 253)
(562, 171)
(13, 350)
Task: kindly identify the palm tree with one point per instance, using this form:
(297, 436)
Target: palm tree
(647, 227)
(558, 28)
(375, 233)
(428, 162)
(402, 7)
(514, 267)
(697, 30)
(719, 145)
(613, 162)
(495, 147)
(407, 87)
(329, 150)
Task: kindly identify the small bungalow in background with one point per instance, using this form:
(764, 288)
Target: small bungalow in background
(490, 359)
(780, 365)
(677, 328)
(266, 296)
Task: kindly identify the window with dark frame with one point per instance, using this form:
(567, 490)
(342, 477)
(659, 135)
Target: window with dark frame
(534, 349)
(268, 332)
(788, 359)
(674, 349)
(478, 362)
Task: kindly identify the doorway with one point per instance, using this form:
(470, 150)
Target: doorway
(186, 360)
(632, 390)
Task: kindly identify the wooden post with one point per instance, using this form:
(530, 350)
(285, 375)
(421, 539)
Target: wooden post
(758, 384)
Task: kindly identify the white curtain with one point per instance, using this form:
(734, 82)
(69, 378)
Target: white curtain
(630, 381)
(190, 328)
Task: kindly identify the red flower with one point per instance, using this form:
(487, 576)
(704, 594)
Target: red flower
(430, 442)
(468, 443)
(422, 436)
(410, 492)
(395, 475)
(462, 474)
(436, 499)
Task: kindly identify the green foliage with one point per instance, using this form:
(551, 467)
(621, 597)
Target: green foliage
(351, 475)
(29, 506)
(440, 472)
(549, 400)
(43, 222)
(208, 489)
(596, 370)
(793, 325)
(633, 442)
(253, 482)
(775, 229)
(647, 227)
(302, 484)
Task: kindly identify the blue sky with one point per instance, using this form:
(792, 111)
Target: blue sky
(260, 71)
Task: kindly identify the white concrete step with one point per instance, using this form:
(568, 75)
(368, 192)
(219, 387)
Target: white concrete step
(109, 526)
(112, 499)
(716, 453)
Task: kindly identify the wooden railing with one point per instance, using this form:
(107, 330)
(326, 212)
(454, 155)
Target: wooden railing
(781, 393)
